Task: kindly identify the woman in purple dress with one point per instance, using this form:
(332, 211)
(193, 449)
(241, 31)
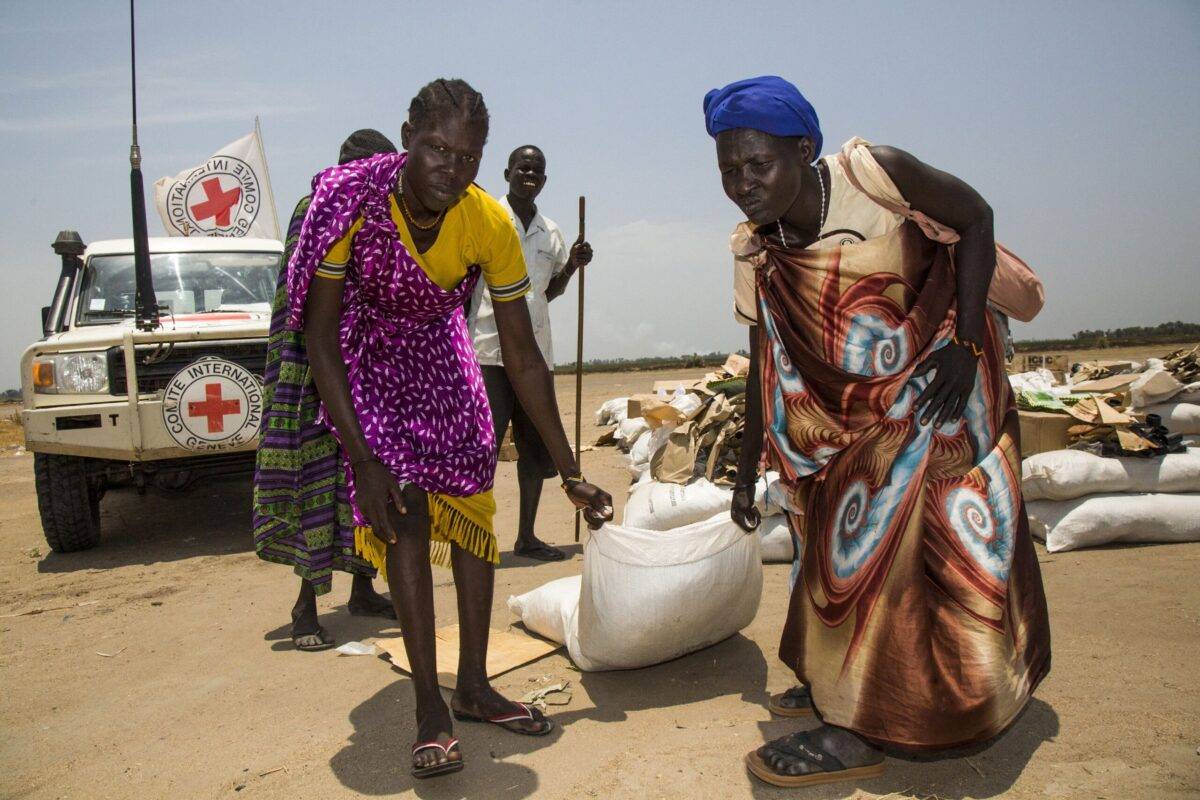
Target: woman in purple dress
(391, 248)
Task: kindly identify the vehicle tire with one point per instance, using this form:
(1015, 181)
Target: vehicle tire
(69, 502)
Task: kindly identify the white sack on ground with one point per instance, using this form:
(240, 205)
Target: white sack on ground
(775, 540)
(629, 431)
(658, 506)
(1189, 394)
(1106, 518)
(644, 448)
(614, 412)
(549, 609)
(1067, 474)
(650, 596)
(1178, 417)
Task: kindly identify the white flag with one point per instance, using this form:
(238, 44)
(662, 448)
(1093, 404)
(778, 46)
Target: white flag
(227, 195)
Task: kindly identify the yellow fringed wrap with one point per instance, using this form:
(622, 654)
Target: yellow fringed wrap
(464, 521)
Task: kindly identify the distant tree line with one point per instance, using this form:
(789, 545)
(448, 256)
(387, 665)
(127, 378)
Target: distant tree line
(1166, 333)
(693, 361)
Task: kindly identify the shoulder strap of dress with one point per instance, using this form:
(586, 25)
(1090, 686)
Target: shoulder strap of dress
(848, 169)
(930, 227)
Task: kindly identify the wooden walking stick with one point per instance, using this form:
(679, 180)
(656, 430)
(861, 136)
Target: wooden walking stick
(579, 367)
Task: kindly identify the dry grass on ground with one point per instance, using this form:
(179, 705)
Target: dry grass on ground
(12, 435)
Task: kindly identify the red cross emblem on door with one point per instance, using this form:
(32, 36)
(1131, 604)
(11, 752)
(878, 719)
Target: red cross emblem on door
(214, 407)
(217, 203)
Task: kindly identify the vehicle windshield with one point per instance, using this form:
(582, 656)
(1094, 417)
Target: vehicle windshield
(184, 283)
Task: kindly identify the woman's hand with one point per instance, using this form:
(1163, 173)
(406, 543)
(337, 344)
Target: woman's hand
(946, 395)
(376, 490)
(743, 511)
(596, 504)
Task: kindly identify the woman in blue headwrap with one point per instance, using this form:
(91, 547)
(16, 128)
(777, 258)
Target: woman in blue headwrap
(917, 618)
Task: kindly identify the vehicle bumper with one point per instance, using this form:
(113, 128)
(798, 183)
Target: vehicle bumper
(107, 430)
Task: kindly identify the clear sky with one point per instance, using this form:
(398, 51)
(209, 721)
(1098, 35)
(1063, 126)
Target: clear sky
(1078, 121)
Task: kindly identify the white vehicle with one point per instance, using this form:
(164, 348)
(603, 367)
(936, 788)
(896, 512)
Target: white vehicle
(196, 407)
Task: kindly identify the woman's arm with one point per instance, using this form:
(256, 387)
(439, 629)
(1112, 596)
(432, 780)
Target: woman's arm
(374, 485)
(951, 201)
(744, 513)
(531, 379)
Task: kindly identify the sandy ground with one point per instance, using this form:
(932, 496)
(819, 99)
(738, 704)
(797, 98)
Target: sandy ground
(161, 667)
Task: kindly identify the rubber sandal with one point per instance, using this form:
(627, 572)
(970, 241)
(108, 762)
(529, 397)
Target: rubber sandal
(541, 552)
(385, 611)
(831, 769)
(776, 707)
(509, 721)
(443, 768)
(323, 641)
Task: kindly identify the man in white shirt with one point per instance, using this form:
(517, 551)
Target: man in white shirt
(550, 266)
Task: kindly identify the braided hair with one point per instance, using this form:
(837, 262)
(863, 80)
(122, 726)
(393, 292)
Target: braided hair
(444, 96)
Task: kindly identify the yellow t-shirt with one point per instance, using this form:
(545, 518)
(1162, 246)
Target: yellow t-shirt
(476, 230)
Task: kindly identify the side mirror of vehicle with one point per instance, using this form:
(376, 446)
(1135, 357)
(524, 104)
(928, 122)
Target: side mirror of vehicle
(45, 317)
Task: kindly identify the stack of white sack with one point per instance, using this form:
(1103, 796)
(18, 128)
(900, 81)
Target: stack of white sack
(1076, 499)
(629, 431)
(651, 436)
(659, 506)
(1157, 392)
(614, 412)
(646, 597)
(1179, 417)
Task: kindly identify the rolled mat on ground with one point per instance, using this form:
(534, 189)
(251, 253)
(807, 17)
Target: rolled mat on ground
(650, 596)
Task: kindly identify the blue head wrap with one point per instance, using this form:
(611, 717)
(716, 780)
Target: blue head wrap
(769, 104)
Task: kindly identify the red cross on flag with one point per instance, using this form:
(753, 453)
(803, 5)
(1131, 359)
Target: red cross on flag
(228, 195)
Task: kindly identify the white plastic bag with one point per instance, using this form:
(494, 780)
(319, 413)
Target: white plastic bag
(1104, 518)
(662, 506)
(775, 540)
(1067, 474)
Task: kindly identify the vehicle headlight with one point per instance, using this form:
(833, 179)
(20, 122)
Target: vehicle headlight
(71, 373)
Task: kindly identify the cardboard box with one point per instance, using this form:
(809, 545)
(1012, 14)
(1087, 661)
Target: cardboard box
(1042, 431)
(639, 404)
(1114, 383)
(1055, 362)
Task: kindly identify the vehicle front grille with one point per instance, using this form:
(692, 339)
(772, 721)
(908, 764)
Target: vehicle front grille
(157, 364)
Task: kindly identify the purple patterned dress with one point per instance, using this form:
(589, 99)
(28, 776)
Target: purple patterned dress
(414, 380)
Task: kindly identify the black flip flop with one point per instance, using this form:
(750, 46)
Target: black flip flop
(541, 552)
(388, 612)
(511, 721)
(323, 641)
(830, 769)
(776, 706)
